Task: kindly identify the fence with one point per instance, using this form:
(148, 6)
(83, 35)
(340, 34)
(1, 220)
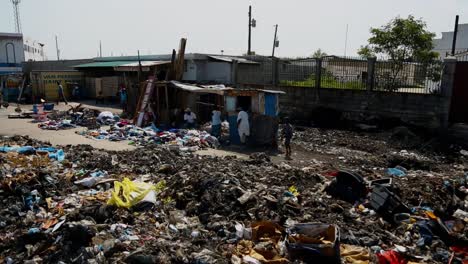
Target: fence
(344, 73)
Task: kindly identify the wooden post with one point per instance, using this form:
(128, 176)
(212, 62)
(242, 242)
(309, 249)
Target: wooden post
(180, 60)
(167, 98)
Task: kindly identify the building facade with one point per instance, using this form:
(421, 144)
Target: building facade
(443, 45)
(11, 53)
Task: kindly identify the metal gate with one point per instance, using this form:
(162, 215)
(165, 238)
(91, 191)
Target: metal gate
(459, 105)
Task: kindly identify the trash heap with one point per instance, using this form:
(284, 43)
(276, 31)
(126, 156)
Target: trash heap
(162, 205)
(77, 117)
(186, 140)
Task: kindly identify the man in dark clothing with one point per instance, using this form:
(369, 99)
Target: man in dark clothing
(288, 133)
(61, 94)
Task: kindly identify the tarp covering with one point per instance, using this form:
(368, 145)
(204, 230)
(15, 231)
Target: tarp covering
(213, 89)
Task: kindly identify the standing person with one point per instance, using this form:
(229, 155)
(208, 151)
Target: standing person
(216, 123)
(76, 92)
(288, 133)
(61, 95)
(243, 126)
(123, 98)
(190, 119)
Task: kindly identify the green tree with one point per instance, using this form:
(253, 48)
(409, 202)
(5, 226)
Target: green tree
(319, 54)
(401, 40)
(366, 52)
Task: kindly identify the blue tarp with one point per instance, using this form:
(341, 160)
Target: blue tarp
(53, 152)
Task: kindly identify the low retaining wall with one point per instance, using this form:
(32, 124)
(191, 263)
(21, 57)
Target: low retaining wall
(424, 110)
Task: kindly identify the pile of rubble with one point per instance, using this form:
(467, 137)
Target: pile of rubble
(161, 205)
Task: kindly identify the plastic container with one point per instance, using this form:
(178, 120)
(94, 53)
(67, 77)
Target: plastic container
(305, 242)
(386, 203)
(48, 107)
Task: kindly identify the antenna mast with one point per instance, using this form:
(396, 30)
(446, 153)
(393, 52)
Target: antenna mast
(17, 15)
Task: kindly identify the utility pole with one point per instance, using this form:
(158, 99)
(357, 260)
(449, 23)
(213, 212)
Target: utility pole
(17, 15)
(57, 48)
(346, 41)
(275, 41)
(100, 49)
(139, 68)
(252, 24)
(455, 33)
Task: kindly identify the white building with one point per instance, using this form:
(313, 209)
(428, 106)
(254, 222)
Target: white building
(444, 45)
(15, 49)
(33, 50)
(11, 53)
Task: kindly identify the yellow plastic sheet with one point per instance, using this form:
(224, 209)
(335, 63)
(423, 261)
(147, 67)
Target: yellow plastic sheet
(128, 193)
(354, 254)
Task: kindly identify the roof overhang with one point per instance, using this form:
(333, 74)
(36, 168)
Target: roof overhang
(122, 65)
(210, 89)
(232, 59)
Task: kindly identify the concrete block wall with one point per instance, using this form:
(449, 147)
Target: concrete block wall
(424, 110)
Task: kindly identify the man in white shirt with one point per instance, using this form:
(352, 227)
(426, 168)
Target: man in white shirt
(216, 123)
(190, 119)
(243, 126)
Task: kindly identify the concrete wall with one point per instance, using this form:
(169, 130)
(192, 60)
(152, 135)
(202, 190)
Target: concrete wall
(430, 110)
(190, 73)
(213, 72)
(425, 110)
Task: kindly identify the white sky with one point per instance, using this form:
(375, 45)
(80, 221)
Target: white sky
(155, 26)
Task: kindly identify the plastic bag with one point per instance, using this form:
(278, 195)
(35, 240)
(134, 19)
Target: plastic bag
(129, 193)
(59, 155)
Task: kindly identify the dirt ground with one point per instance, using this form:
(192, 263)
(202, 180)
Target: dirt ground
(11, 127)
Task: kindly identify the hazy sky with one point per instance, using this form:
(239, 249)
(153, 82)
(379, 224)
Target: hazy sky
(155, 26)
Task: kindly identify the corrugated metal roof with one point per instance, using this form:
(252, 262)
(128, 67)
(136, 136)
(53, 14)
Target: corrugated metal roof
(273, 91)
(145, 63)
(231, 59)
(214, 89)
(102, 64)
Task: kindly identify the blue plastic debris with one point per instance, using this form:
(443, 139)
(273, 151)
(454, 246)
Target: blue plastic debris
(396, 172)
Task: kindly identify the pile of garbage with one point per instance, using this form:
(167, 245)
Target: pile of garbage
(158, 204)
(186, 140)
(76, 117)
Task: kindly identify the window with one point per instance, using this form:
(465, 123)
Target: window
(244, 102)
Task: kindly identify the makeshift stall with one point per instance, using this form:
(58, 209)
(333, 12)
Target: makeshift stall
(262, 107)
(171, 98)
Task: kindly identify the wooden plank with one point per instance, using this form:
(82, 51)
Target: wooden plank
(180, 60)
(143, 103)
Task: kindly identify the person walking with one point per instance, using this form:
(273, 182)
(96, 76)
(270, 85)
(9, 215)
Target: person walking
(287, 134)
(243, 126)
(216, 123)
(61, 94)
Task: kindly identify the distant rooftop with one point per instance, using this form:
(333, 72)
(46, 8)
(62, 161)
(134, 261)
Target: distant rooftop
(168, 57)
(10, 35)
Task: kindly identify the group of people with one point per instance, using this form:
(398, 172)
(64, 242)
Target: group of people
(243, 126)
